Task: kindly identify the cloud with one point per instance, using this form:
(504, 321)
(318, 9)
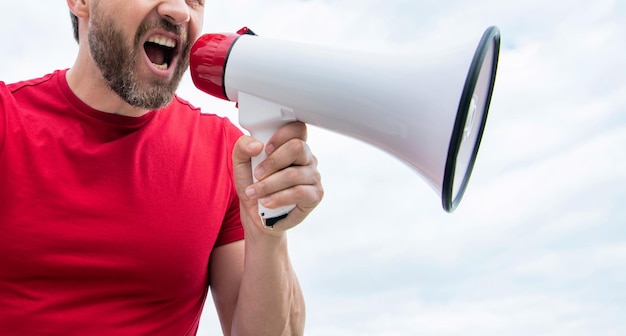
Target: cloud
(537, 247)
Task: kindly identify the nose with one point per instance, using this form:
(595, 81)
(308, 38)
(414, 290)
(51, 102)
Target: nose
(175, 11)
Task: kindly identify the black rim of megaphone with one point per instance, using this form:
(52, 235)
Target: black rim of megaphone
(491, 35)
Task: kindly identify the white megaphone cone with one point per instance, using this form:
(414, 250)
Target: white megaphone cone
(428, 111)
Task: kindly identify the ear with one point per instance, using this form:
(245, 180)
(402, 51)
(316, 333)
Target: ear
(80, 8)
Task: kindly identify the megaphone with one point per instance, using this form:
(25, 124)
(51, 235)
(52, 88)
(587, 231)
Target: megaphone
(428, 111)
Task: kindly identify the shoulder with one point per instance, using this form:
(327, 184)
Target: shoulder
(42, 81)
(29, 92)
(202, 121)
(25, 91)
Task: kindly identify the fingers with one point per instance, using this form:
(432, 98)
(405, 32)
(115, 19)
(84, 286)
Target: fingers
(289, 164)
(287, 176)
(293, 185)
(294, 152)
(284, 176)
(299, 185)
(294, 130)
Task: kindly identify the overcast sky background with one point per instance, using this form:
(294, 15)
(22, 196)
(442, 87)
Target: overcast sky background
(538, 245)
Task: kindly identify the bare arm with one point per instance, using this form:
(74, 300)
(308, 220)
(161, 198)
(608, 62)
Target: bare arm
(255, 289)
(264, 300)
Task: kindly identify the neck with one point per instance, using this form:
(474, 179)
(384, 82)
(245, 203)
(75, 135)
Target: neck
(87, 83)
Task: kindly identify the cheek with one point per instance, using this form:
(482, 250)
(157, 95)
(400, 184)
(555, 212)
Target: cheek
(195, 27)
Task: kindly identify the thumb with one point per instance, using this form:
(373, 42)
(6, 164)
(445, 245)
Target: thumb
(245, 148)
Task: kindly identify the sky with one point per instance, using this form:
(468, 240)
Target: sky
(538, 244)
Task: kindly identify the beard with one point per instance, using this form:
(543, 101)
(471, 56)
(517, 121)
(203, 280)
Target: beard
(118, 62)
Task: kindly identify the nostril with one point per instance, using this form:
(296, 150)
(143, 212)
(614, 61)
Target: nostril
(175, 16)
(173, 20)
(170, 18)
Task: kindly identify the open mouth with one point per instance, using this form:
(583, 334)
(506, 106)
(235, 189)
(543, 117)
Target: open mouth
(160, 50)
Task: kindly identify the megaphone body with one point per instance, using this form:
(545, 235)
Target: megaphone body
(429, 111)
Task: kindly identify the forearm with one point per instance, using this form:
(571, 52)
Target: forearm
(270, 300)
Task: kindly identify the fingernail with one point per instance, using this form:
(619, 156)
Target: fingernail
(250, 192)
(254, 145)
(269, 148)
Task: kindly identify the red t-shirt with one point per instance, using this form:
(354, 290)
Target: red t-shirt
(107, 222)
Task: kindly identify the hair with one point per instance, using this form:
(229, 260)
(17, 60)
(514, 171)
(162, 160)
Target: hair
(74, 25)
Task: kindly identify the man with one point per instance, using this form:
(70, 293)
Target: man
(121, 204)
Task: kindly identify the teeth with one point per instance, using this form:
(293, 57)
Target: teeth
(162, 40)
(161, 66)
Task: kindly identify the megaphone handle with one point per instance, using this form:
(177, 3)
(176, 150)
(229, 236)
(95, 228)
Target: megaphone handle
(262, 118)
(269, 216)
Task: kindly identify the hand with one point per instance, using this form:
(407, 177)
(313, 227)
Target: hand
(289, 175)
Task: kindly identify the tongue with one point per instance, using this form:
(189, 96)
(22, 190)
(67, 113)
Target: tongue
(155, 54)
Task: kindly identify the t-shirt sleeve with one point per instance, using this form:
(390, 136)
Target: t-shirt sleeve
(232, 229)
(4, 92)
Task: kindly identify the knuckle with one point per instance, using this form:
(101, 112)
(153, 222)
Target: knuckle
(317, 177)
(272, 162)
(320, 192)
(302, 130)
(315, 194)
(291, 174)
(297, 146)
(311, 197)
(276, 199)
(261, 188)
